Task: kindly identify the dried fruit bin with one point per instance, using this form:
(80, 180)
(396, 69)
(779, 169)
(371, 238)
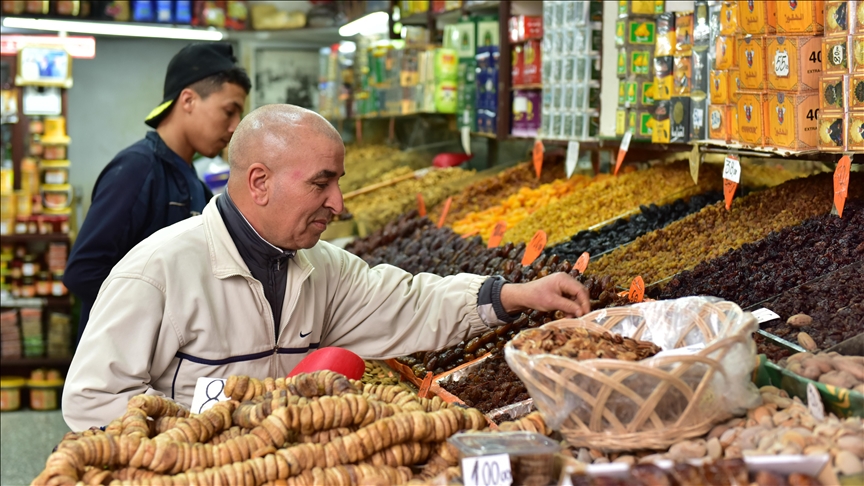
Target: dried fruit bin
(839, 401)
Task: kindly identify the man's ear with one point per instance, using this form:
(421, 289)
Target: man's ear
(187, 99)
(259, 180)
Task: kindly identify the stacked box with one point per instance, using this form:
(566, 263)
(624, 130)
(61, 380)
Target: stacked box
(31, 332)
(487, 89)
(10, 335)
(840, 120)
(59, 335)
(638, 30)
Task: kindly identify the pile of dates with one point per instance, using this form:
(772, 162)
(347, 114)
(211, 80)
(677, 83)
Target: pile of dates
(778, 262)
(492, 384)
(625, 230)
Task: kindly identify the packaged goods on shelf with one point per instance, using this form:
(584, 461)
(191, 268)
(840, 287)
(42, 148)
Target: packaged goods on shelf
(835, 55)
(791, 120)
(714, 230)
(800, 17)
(793, 63)
(609, 199)
(757, 18)
(31, 332)
(10, 334)
(832, 132)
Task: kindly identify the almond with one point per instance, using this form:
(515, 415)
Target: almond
(807, 342)
(799, 320)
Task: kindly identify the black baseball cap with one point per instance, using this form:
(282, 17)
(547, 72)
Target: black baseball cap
(192, 64)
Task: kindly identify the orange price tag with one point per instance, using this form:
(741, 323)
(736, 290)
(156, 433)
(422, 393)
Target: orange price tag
(637, 290)
(535, 248)
(445, 211)
(582, 262)
(841, 183)
(622, 150)
(424, 387)
(538, 157)
(421, 205)
(497, 234)
(358, 129)
(729, 188)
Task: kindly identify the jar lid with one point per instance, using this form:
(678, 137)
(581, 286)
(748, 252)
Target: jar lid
(45, 383)
(56, 187)
(55, 164)
(12, 382)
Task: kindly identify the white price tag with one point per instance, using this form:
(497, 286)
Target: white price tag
(466, 139)
(732, 169)
(520, 104)
(625, 141)
(814, 402)
(487, 471)
(698, 117)
(781, 64)
(208, 392)
(764, 315)
(572, 158)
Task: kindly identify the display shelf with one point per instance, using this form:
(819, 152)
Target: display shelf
(527, 86)
(35, 238)
(448, 17)
(480, 7)
(49, 301)
(491, 136)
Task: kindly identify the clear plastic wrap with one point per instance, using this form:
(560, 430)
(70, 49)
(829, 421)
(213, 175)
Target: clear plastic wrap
(702, 375)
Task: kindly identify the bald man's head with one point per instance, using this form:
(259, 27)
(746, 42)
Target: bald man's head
(273, 128)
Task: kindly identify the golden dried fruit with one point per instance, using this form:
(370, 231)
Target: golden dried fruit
(807, 342)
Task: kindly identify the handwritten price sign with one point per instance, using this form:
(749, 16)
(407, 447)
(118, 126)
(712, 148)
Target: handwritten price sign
(582, 262)
(497, 234)
(637, 290)
(731, 178)
(841, 183)
(535, 248)
(491, 470)
(537, 157)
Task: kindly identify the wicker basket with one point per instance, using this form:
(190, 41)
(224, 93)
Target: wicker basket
(617, 405)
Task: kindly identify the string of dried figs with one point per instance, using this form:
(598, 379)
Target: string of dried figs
(581, 344)
(280, 444)
(778, 262)
(713, 231)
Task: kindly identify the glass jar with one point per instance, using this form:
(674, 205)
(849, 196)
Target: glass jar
(28, 288)
(15, 287)
(57, 287)
(30, 266)
(43, 284)
(15, 268)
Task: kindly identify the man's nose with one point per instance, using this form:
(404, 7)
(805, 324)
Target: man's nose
(335, 203)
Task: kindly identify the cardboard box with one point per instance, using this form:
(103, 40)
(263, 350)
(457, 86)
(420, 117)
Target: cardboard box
(757, 17)
(524, 27)
(699, 74)
(855, 132)
(620, 121)
(639, 7)
(725, 52)
(839, 17)
(683, 33)
(729, 18)
(620, 32)
(640, 62)
(622, 93)
(518, 61)
(834, 94)
(532, 65)
(621, 66)
(734, 85)
(800, 16)
(646, 93)
(698, 118)
(682, 72)
(719, 87)
(717, 122)
(832, 132)
(662, 126)
(631, 97)
(751, 127)
(856, 58)
(645, 125)
(791, 120)
(859, 17)
(701, 27)
(794, 63)
(680, 119)
(732, 123)
(665, 45)
(462, 38)
(835, 54)
(751, 55)
(663, 77)
(641, 32)
(856, 92)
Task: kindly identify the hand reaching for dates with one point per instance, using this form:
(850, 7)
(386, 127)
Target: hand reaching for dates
(556, 292)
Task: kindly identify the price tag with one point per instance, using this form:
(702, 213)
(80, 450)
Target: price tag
(729, 188)
(491, 470)
(358, 130)
(497, 234)
(535, 248)
(814, 402)
(572, 158)
(695, 160)
(764, 315)
(781, 64)
(469, 235)
(208, 392)
(466, 139)
(537, 156)
(732, 169)
(445, 211)
(425, 385)
(637, 290)
(520, 104)
(582, 262)
(421, 205)
(841, 183)
(622, 149)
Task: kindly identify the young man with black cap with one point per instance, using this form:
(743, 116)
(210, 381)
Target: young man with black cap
(152, 184)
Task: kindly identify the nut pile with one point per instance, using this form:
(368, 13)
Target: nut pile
(376, 374)
(625, 230)
(829, 368)
(714, 230)
(582, 344)
(492, 384)
(316, 428)
(610, 198)
(782, 260)
(519, 206)
(721, 472)
(365, 165)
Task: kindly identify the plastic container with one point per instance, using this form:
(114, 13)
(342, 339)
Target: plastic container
(56, 196)
(45, 390)
(532, 455)
(55, 171)
(10, 393)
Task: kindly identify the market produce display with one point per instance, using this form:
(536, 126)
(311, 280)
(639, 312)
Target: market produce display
(713, 231)
(385, 429)
(782, 260)
(489, 386)
(490, 191)
(368, 164)
(612, 198)
(376, 374)
(721, 472)
(373, 210)
(625, 230)
(829, 368)
(581, 344)
(520, 205)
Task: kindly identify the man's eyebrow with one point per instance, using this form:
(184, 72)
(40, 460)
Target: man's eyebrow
(325, 174)
(237, 105)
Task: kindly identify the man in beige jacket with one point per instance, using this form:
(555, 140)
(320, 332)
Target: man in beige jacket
(247, 288)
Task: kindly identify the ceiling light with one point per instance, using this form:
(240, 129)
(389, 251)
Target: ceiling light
(374, 23)
(112, 28)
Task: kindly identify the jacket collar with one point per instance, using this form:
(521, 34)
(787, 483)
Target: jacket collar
(159, 147)
(225, 259)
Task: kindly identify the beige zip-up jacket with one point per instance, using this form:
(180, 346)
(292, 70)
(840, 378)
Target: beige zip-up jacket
(182, 304)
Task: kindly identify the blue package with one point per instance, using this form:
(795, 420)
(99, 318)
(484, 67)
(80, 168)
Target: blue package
(183, 11)
(164, 11)
(142, 11)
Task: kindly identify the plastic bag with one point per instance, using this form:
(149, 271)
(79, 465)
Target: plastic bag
(705, 380)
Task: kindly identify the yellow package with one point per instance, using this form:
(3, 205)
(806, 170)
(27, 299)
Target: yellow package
(719, 81)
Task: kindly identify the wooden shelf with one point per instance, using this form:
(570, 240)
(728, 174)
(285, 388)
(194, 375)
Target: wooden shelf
(528, 86)
(36, 362)
(35, 238)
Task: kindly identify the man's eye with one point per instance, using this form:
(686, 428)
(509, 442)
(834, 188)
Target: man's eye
(321, 186)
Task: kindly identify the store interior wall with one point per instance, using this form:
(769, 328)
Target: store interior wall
(112, 95)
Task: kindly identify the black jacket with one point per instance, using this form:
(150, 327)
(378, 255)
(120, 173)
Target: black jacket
(138, 193)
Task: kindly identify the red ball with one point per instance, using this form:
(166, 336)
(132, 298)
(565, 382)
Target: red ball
(339, 360)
